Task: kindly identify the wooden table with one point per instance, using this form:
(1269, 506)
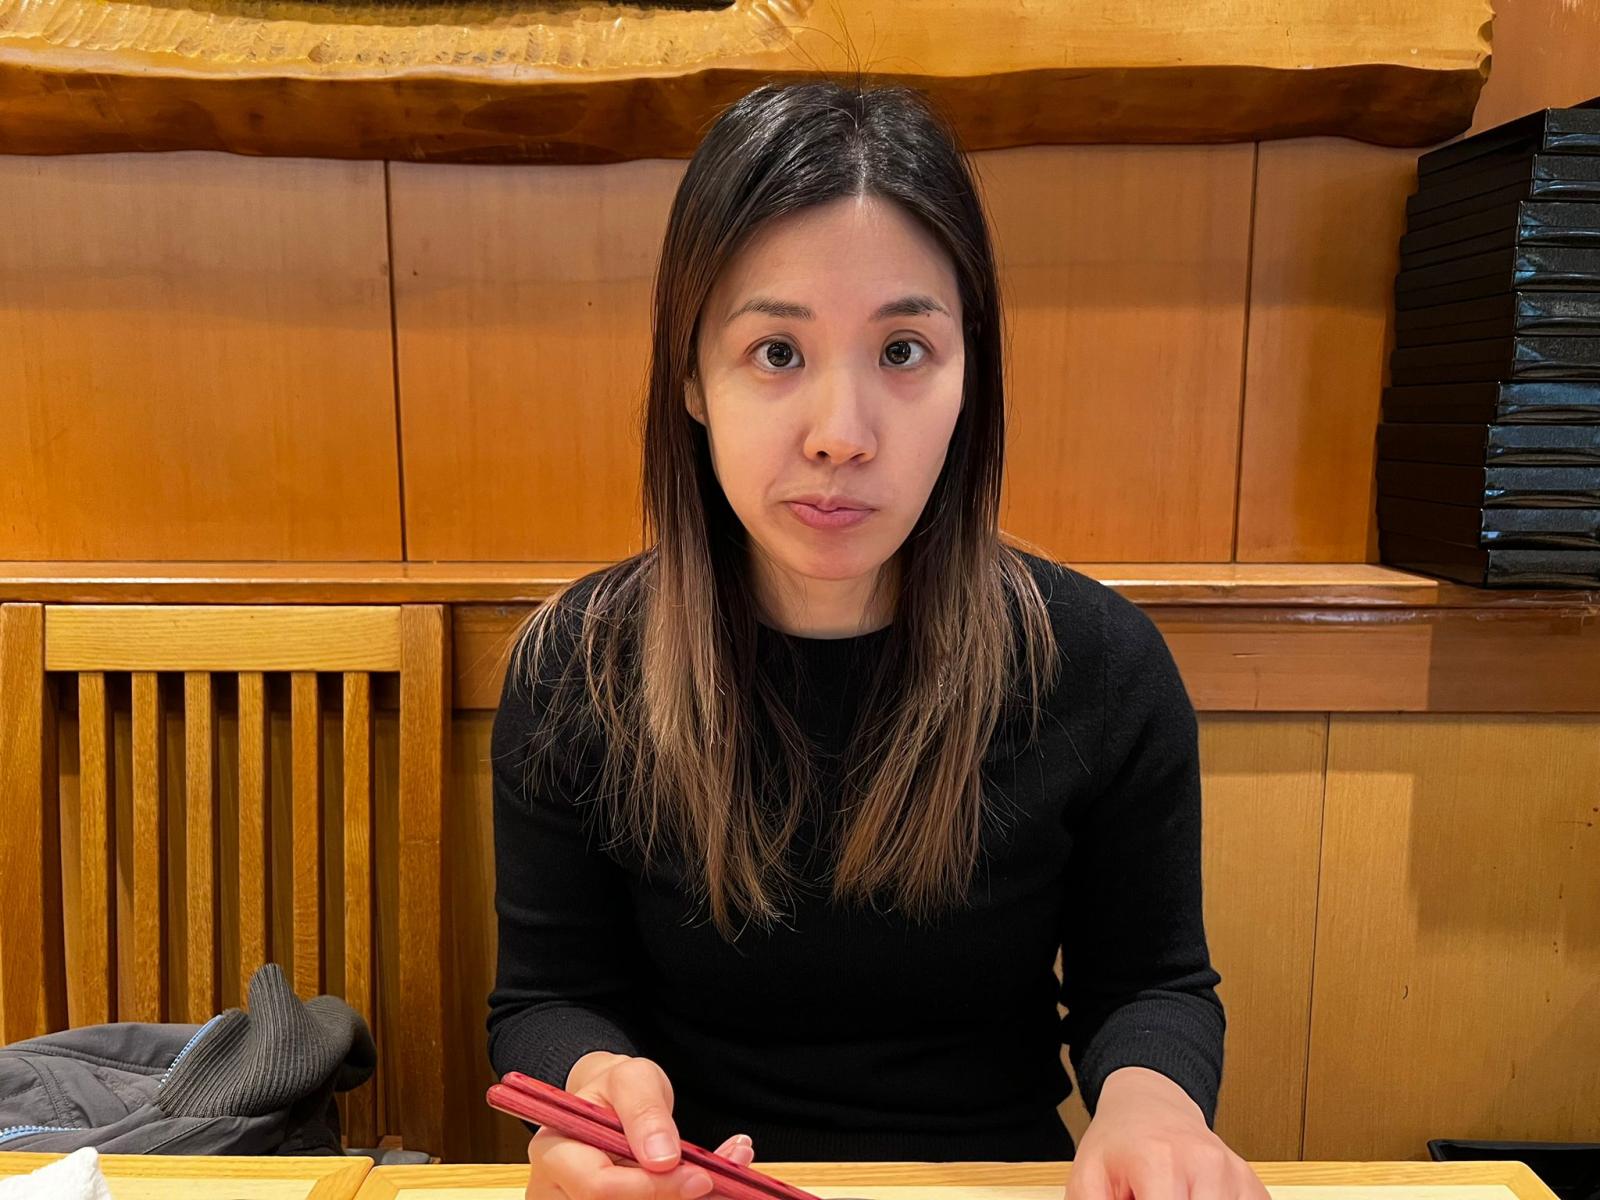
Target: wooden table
(163, 1176)
(1015, 1181)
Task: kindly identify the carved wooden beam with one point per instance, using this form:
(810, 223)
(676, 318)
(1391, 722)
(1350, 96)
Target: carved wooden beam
(559, 81)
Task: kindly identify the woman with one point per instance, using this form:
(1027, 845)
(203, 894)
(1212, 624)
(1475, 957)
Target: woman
(794, 810)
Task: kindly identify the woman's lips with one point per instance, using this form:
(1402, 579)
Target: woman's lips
(839, 518)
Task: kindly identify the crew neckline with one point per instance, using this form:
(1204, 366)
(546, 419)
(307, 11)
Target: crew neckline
(856, 639)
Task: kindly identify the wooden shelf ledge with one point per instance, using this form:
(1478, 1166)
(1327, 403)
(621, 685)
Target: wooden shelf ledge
(522, 81)
(1244, 585)
(1307, 585)
(1248, 637)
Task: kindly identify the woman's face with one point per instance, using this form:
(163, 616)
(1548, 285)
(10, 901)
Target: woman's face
(831, 362)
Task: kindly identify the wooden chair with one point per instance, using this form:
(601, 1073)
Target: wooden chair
(59, 961)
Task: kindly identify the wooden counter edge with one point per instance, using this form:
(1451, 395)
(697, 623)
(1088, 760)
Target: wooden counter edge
(387, 1183)
(333, 1177)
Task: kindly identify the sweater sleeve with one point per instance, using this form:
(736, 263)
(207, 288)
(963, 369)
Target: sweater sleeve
(1137, 978)
(564, 980)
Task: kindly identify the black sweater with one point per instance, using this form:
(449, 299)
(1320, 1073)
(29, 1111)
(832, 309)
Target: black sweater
(854, 1034)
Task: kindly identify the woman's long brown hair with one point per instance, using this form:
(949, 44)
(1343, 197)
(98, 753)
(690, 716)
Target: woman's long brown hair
(661, 654)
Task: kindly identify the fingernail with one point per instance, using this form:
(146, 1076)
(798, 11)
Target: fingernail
(658, 1146)
(698, 1186)
(744, 1139)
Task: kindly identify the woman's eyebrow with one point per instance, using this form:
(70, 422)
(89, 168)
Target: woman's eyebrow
(905, 306)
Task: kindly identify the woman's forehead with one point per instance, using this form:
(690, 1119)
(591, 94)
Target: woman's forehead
(840, 259)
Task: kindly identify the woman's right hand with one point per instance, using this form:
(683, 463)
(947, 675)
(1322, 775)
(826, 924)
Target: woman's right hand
(638, 1091)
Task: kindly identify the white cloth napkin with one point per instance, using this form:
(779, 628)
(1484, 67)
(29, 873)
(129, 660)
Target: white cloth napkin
(75, 1177)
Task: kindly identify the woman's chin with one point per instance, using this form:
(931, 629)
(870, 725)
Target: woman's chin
(832, 565)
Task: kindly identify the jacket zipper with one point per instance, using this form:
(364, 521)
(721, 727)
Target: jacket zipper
(188, 1046)
(16, 1131)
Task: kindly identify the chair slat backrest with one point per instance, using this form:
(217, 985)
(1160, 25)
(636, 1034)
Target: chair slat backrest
(306, 790)
(92, 978)
(254, 907)
(148, 989)
(200, 782)
(60, 962)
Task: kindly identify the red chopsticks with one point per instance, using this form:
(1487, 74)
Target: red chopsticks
(574, 1117)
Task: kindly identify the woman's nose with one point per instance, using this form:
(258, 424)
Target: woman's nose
(841, 419)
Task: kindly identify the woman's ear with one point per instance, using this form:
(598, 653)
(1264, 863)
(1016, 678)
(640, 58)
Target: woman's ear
(694, 399)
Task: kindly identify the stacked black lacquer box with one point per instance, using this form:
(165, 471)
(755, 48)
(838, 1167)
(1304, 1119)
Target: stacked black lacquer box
(1489, 448)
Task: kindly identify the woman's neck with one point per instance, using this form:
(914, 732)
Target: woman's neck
(824, 608)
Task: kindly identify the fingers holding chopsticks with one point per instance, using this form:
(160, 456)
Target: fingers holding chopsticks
(739, 1148)
(564, 1169)
(638, 1091)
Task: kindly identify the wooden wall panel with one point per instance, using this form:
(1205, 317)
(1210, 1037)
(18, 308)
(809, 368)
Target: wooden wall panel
(1458, 936)
(1329, 215)
(1283, 658)
(522, 300)
(1124, 272)
(1262, 782)
(197, 359)
(1418, 660)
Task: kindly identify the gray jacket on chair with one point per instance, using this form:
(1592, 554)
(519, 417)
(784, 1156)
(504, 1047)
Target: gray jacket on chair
(256, 1082)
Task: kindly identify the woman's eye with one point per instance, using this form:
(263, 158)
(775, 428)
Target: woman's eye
(776, 354)
(898, 352)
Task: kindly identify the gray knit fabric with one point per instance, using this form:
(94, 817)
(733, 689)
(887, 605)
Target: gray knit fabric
(249, 1063)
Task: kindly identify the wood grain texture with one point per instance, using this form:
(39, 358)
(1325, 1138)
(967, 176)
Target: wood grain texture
(146, 972)
(1328, 219)
(160, 1176)
(504, 278)
(200, 898)
(226, 299)
(1123, 270)
(253, 637)
(1458, 936)
(32, 990)
(254, 798)
(419, 1054)
(1262, 783)
(482, 83)
(1440, 661)
(306, 805)
(92, 935)
(360, 1127)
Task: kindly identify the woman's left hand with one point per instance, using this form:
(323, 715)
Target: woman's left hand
(1149, 1141)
